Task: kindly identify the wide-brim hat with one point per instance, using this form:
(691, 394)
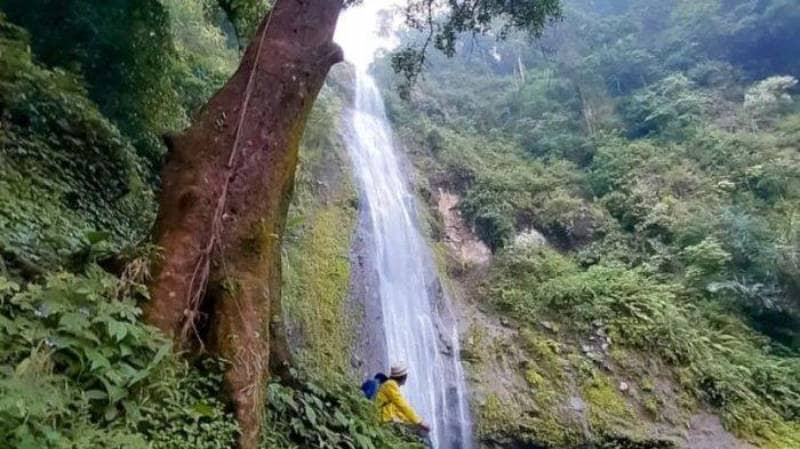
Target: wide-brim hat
(399, 369)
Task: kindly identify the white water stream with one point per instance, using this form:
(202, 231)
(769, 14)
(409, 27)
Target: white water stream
(418, 325)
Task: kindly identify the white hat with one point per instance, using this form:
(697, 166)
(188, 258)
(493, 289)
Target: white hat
(399, 369)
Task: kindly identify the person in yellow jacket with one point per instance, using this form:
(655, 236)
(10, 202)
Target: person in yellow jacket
(392, 406)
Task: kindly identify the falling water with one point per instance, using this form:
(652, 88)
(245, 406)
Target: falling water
(419, 328)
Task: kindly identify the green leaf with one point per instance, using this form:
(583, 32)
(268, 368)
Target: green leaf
(96, 395)
(203, 409)
(97, 360)
(73, 322)
(110, 413)
(95, 237)
(311, 415)
(117, 329)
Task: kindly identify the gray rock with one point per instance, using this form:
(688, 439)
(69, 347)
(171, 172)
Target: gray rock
(577, 404)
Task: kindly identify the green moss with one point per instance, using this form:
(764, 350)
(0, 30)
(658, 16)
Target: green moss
(550, 432)
(652, 405)
(647, 384)
(544, 352)
(533, 378)
(472, 348)
(609, 412)
(316, 270)
(494, 416)
(504, 421)
(783, 435)
(754, 423)
(533, 415)
(317, 288)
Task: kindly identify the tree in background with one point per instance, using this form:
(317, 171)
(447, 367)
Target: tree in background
(123, 50)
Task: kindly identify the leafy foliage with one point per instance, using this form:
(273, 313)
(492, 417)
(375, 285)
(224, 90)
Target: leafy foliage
(147, 64)
(78, 369)
(333, 416)
(472, 16)
(244, 16)
(123, 50)
(204, 58)
(65, 170)
(654, 144)
(719, 359)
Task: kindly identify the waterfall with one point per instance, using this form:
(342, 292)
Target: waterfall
(418, 325)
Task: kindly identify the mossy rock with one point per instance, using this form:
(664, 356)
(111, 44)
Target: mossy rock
(608, 408)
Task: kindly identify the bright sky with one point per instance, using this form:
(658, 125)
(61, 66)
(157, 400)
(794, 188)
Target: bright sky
(359, 30)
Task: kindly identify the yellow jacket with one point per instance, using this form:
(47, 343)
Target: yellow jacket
(393, 407)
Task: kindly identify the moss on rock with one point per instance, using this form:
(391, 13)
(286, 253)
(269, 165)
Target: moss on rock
(320, 227)
(608, 409)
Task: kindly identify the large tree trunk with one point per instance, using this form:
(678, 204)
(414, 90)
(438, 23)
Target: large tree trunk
(225, 194)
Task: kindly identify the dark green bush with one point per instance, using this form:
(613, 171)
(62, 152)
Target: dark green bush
(65, 170)
(328, 415)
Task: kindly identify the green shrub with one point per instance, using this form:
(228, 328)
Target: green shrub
(78, 369)
(65, 170)
(520, 270)
(327, 415)
(705, 262)
(494, 228)
(123, 48)
(720, 359)
(182, 408)
(88, 335)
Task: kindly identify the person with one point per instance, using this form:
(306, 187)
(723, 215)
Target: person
(370, 386)
(393, 407)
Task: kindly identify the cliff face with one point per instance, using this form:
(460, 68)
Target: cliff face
(549, 379)
(331, 302)
(322, 319)
(548, 386)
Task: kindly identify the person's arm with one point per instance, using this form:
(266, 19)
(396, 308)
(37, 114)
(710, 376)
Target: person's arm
(402, 405)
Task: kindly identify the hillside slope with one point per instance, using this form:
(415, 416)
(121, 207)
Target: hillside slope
(661, 168)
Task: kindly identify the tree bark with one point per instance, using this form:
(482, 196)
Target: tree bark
(225, 192)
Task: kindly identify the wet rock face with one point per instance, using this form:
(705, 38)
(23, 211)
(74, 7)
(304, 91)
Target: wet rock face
(369, 356)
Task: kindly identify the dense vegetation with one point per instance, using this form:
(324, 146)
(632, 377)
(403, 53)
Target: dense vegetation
(81, 108)
(655, 145)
